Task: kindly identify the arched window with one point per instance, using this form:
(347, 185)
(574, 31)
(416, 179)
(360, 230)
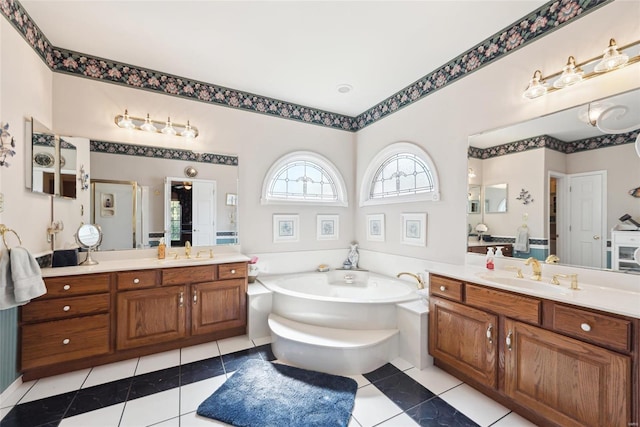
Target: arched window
(304, 177)
(402, 172)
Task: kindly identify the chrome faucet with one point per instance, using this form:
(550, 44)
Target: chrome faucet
(535, 265)
(187, 249)
(415, 276)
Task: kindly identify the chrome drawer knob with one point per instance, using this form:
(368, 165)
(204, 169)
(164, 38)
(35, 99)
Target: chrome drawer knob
(442, 288)
(136, 281)
(233, 272)
(66, 308)
(585, 327)
(66, 287)
(66, 341)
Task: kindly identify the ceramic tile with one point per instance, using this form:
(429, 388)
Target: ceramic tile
(151, 409)
(5, 411)
(199, 352)
(17, 394)
(401, 364)
(513, 420)
(475, 405)
(51, 386)
(192, 395)
(403, 390)
(230, 345)
(261, 341)
(39, 412)
(372, 407)
(402, 420)
(360, 379)
(100, 396)
(437, 412)
(194, 420)
(111, 372)
(155, 362)
(353, 423)
(434, 379)
(154, 382)
(384, 371)
(201, 370)
(232, 361)
(107, 416)
(173, 422)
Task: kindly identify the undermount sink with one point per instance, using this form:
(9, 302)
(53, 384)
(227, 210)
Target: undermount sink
(524, 283)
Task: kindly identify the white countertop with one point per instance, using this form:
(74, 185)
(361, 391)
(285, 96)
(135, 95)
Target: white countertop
(620, 300)
(106, 266)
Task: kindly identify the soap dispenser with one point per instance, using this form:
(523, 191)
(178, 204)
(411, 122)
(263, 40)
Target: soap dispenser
(499, 251)
(162, 249)
(489, 258)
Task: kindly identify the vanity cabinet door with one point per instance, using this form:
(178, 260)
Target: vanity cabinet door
(151, 316)
(569, 382)
(216, 306)
(464, 338)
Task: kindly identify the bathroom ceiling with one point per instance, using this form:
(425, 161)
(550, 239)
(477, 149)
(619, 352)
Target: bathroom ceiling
(296, 51)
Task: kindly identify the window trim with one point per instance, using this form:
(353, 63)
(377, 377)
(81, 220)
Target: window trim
(312, 157)
(382, 156)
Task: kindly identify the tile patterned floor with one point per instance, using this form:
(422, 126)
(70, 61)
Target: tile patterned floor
(164, 390)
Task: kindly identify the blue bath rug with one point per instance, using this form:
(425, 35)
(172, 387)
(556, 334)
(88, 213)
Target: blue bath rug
(264, 394)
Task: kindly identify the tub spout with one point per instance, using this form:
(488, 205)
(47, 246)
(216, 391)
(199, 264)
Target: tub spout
(415, 276)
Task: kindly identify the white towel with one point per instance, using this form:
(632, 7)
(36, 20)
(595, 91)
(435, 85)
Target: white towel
(7, 297)
(522, 240)
(26, 275)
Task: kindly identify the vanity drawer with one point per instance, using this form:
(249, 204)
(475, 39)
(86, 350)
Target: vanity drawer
(511, 305)
(233, 270)
(137, 279)
(61, 308)
(445, 287)
(628, 239)
(64, 340)
(76, 285)
(181, 275)
(598, 328)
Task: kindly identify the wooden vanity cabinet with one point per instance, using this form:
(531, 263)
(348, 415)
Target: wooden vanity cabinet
(556, 364)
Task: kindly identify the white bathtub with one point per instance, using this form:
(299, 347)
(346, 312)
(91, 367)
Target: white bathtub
(339, 298)
(342, 322)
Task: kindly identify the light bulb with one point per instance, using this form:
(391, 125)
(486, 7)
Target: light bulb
(536, 86)
(570, 75)
(148, 126)
(168, 129)
(125, 122)
(188, 131)
(611, 58)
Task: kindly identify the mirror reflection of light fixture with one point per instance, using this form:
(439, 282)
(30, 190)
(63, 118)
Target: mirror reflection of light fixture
(614, 58)
(571, 74)
(611, 59)
(471, 173)
(153, 126)
(481, 228)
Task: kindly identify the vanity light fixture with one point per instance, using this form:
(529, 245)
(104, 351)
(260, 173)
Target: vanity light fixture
(471, 173)
(153, 126)
(614, 58)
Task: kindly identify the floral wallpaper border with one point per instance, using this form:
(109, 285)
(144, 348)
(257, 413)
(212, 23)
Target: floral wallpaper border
(545, 19)
(546, 141)
(161, 153)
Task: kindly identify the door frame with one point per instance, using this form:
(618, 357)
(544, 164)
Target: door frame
(167, 205)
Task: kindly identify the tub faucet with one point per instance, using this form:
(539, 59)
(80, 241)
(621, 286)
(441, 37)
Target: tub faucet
(535, 265)
(415, 276)
(187, 249)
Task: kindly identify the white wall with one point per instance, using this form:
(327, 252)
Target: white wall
(487, 99)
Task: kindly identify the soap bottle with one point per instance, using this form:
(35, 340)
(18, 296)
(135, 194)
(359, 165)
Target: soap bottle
(499, 251)
(489, 258)
(162, 249)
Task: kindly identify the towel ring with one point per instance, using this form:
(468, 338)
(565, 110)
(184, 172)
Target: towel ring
(3, 230)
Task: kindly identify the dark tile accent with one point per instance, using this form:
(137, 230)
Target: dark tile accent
(384, 371)
(232, 361)
(437, 412)
(154, 382)
(266, 353)
(403, 390)
(100, 396)
(201, 370)
(41, 412)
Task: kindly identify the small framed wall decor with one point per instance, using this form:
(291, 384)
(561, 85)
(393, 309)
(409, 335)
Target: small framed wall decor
(414, 229)
(375, 227)
(327, 227)
(286, 228)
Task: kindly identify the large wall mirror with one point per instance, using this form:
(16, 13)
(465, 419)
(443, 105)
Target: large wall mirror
(158, 197)
(569, 177)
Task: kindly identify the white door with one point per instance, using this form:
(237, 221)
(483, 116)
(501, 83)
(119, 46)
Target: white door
(204, 213)
(587, 219)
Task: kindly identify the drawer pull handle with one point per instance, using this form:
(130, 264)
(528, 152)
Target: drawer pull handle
(66, 287)
(509, 335)
(233, 271)
(181, 299)
(585, 327)
(136, 280)
(490, 333)
(195, 297)
(442, 288)
(66, 341)
(66, 308)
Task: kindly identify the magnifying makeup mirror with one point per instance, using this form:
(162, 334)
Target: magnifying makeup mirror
(89, 236)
